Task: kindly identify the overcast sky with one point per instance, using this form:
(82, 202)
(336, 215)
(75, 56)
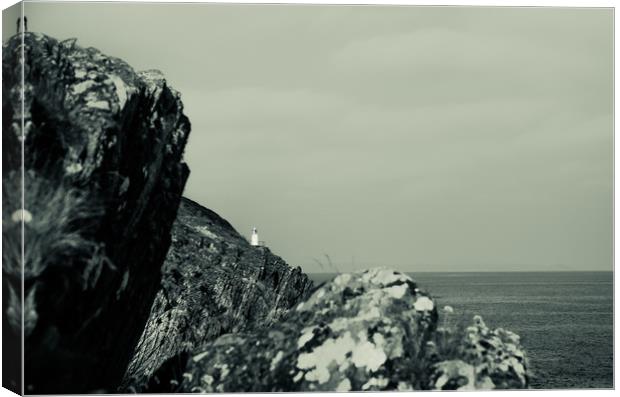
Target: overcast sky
(426, 139)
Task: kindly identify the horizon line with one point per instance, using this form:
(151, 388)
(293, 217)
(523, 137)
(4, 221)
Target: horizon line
(481, 271)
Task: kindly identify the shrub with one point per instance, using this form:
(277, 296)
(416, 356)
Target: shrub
(466, 357)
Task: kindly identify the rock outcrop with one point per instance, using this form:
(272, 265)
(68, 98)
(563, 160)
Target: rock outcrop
(214, 282)
(365, 331)
(103, 177)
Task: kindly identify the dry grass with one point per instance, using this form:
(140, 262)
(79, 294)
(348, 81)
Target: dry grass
(495, 357)
(59, 221)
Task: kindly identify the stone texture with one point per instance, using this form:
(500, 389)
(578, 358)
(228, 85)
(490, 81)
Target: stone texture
(214, 282)
(373, 330)
(103, 150)
(362, 331)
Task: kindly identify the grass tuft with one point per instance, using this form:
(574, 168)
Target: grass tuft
(59, 222)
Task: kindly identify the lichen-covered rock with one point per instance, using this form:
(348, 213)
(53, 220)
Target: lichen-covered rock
(362, 331)
(487, 359)
(103, 176)
(373, 330)
(214, 282)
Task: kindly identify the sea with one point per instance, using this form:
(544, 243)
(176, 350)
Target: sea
(565, 319)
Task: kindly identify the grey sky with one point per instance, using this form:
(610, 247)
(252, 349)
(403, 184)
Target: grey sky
(447, 139)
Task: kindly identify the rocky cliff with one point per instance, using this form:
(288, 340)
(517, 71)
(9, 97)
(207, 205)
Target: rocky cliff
(103, 177)
(108, 305)
(373, 330)
(214, 282)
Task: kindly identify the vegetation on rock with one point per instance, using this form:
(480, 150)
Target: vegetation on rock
(102, 176)
(373, 330)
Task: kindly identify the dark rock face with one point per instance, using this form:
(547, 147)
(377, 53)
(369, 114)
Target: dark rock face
(214, 282)
(104, 175)
(365, 331)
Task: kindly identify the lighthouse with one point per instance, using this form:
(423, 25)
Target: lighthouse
(254, 239)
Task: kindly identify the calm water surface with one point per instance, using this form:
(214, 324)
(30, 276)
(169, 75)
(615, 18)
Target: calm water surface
(565, 319)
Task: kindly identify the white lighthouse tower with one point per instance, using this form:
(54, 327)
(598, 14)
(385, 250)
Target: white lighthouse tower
(254, 239)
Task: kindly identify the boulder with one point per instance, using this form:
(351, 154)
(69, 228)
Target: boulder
(214, 282)
(361, 331)
(373, 330)
(103, 177)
